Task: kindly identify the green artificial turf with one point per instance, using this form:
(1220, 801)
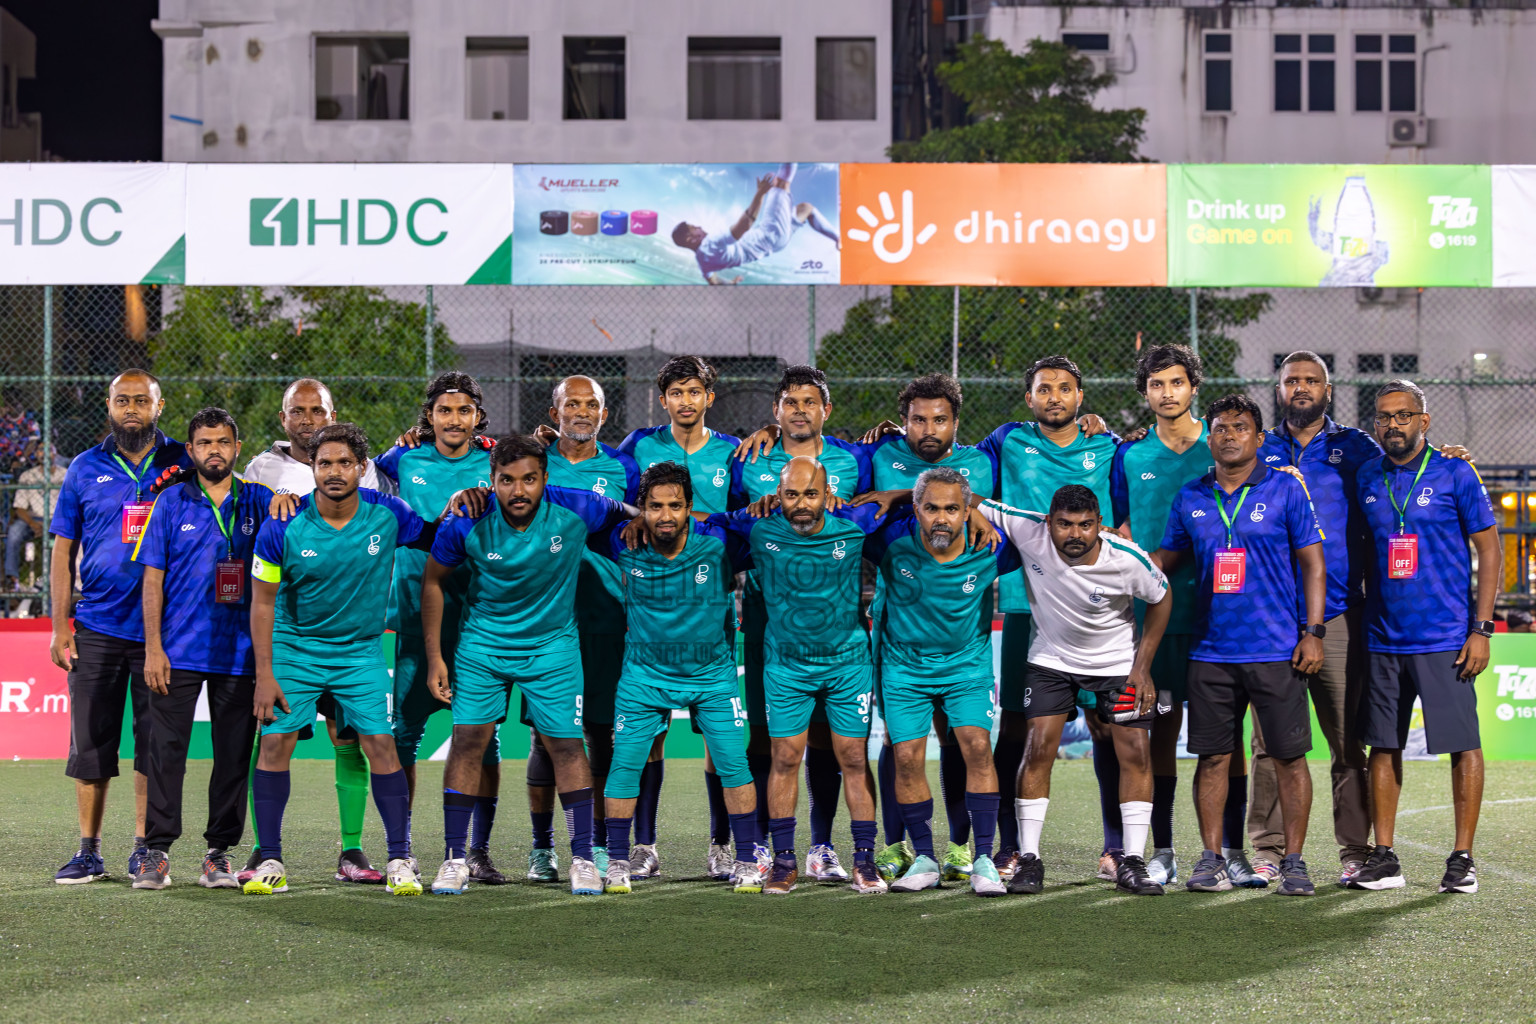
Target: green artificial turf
(682, 949)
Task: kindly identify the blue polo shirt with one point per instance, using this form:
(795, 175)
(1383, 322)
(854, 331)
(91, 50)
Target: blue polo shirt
(1331, 463)
(90, 510)
(183, 539)
(1448, 503)
(1275, 518)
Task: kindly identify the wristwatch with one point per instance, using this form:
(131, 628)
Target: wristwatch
(1484, 628)
(1317, 631)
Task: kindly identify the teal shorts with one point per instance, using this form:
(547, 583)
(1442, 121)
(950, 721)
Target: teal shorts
(643, 710)
(413, 703)
(549, 680)
(354, 677)
(908, 704)
(795, 693)
(1014, 657)
(602, 661)
(1170, 666)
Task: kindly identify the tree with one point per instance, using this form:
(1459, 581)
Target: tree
(236, 347)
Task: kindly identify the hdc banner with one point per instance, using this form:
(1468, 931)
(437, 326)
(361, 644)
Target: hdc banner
(92, 223)
(1004, 224)
(339, 224)
(1329, 225)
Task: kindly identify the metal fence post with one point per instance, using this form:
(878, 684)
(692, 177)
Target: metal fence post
(810, 341)
(431, 326)
(954, 339)
(1194, 341)
(47, 445)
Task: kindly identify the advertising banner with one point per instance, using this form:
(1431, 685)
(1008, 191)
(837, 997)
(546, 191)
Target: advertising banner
(1506, 698)
(92, 223)
(1514, 227)
(1005, 224)
(341, 224)
(1323, 225)
(677, 224)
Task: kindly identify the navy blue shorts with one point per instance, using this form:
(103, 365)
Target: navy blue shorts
(1449, 702)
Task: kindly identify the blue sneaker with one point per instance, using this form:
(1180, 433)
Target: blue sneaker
(136, 860)
(85, 866)
(1210, 874)
(1294, 880)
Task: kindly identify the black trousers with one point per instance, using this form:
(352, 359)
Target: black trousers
(107, 672)
(230, 702)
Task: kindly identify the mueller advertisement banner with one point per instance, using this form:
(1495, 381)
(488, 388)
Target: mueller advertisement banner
(92, 223)
(1004, 224)
(677, 224)
(342, 224)
(1324, 225)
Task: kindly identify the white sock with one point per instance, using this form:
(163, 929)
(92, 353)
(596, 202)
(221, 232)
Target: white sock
(1135, 823)
(1031, 816)
(786, 173)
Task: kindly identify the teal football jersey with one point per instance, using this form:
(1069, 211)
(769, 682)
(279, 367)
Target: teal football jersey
(1030, 468)
(426, 479)
(896, 466)
(1145, 476)
(847, 471)
(609, 474)
(709, 468)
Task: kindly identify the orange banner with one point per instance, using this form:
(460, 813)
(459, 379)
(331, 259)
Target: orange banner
(1008, 224)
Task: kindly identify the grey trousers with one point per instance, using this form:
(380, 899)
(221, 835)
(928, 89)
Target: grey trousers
(1336, 692)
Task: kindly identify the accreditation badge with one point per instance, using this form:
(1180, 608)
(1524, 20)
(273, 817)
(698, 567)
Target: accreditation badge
(229, 581)
(1231, 571)
(1403, 556)
(135, 515)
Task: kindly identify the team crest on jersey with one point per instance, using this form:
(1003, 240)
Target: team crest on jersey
(701, 574)
(1257, 515)
(1090, 460)
(837, 549)
(600, 485)
(965, 471)
(1336, 456)
(969, 585)
(832, 482)
(719, 478)
(1423, 499)
(373, 544)
(555, 544)
(248, 527)
(1097, 597)
(419, 481)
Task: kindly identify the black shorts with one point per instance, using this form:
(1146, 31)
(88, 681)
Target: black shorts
(1050, 691)
(1219, 695)
(1449, 702)
(108, 675)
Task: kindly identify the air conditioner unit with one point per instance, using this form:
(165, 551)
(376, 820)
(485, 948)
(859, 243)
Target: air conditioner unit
(1377, 296)
(1408, 131)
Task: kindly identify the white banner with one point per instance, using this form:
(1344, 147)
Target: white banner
(1514, 214)
(340, 224)
(92, 223)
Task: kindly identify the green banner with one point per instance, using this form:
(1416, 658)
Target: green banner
(1323, 225)
(1506, 698)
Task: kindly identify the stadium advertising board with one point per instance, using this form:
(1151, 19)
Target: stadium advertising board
(1327, 225)
(1004, 224)
(1514, 229)
(676, 224)
(343, 224)
(92, 223)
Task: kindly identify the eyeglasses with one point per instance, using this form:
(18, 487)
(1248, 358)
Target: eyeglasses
(1402, 419)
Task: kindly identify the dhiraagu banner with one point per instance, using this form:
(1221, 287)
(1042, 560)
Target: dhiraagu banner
(92, 223)
(341, 224)
(1326, 225)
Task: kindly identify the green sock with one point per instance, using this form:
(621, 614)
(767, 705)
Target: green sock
(351, 794)
(250, 789)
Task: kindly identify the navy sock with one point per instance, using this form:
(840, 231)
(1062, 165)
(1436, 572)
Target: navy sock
(952, 779)
(392, 796)
(90, 844)
(647, 802)
(863, 841)
(744, 830)
(480, 824)
(543, 829)
(1106, 766)
(578, 821)
(719, 817)
(1234, 815)
(783, 830)
(618, 838)
(269, 794)
(1006, 758)
(982, 808)
(919, 821)
(824, 784)
(890, 810)
(138, 842)
(457, 809)
(1163, 789)
(760, 765)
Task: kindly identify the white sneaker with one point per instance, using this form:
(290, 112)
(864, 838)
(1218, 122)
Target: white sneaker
(270, 877)
(617, 882)
(643, 862)
(718, 864)
(763, 856)
(452, 878)
(748, 876)
(403, 877)
(821, 863)
(1163, 868)
(585, 881)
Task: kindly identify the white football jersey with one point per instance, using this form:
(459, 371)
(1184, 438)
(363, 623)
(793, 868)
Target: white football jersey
(278, 469)
(1083, 616)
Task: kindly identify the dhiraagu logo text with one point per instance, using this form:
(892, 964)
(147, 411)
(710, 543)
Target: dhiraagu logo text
(293, 221)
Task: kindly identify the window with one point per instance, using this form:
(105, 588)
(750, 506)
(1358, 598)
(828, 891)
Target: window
(594, 78)
(1371, 364)
(496, 79)
(1218, 72)
(1087, 42)
(362, 78)
(1312, 91)
(733, 78)
(845, 79)
(1391, 76)
(1405, 362)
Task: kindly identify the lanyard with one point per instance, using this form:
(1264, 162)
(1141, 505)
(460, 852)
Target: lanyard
(1402, 510)
(1241, 497)
(136, 477)
(227, 533)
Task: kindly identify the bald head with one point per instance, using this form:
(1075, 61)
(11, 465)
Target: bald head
(134, 406)
(803, 494)
(307, 408)
(578, 408)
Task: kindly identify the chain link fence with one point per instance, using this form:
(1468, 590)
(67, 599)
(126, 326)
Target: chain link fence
(1473, 351)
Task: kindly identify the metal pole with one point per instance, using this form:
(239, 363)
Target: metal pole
(810, 340)
(1194, 341)
(954, 339)
(431, 328)
(47, 445)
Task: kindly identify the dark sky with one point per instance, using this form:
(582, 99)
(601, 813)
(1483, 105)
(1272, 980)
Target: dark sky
(98, 77)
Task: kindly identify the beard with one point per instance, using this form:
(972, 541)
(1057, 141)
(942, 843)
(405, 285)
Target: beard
(804, 527)
(1305, 417)
(572, 435)
(941, 538)
(214, 474)
(132, 439)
